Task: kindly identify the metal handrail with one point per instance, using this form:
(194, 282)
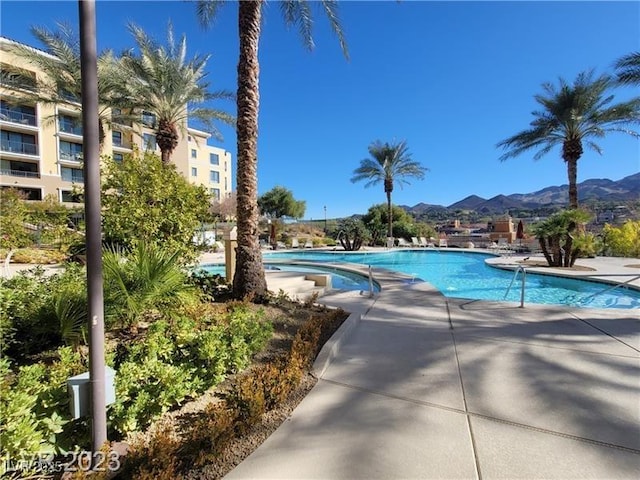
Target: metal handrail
(522, 288)
(608, 289)
(370, 283)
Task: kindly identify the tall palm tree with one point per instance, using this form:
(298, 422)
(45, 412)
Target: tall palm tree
(573, 115)
(249, 279)
(389, 163)
(161, 81)
(61, 82)
(628, 69)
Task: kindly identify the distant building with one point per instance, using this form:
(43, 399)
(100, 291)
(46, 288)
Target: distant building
(502, 228)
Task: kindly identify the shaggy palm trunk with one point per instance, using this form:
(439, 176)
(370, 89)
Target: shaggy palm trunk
(167, 138)
(571, 152)
(249, 280)
(388, 188)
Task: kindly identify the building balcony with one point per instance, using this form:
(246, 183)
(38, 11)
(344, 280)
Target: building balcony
(16, 146)
(19, 173)
(16, 116)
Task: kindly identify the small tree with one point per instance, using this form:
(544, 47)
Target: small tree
(555, 236)
(224, 209)
(378, 216)
(147, 202)
(279, 202)
(13, 233)
(623, 241)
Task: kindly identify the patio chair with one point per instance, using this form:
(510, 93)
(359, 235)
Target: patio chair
(402, 242)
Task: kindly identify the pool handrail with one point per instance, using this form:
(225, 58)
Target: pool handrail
(608, 289)
(522, 288)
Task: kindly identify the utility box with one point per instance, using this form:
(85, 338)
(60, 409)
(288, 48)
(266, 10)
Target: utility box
(79, 388)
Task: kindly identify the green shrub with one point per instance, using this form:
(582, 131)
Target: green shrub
(29, 313)
(179, 359)
(34, 406)
(145, 278)
(623, 241)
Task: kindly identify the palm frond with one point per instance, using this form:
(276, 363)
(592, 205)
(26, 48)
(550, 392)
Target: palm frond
(628, 69)
(207, 10)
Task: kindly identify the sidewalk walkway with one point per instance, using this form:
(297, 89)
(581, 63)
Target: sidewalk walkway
(426, 387)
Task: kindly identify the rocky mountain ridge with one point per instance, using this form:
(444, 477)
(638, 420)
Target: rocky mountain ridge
(601, 189)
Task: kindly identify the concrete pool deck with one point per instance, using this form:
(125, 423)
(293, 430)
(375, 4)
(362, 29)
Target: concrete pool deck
(428, 387)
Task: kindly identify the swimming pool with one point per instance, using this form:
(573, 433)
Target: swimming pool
(340, 279)
(465, 275)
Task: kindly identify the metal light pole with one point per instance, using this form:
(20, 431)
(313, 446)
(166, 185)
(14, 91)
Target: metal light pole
(92, 210)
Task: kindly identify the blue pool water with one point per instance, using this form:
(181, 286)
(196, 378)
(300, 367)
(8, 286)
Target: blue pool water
(465, 275)
(340, 279)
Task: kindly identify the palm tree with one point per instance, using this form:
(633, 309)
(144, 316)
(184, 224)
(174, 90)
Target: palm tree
(389, 163)
(249, 279)
(628, 69)
(61, 83)
(161, 81)
(573, 115)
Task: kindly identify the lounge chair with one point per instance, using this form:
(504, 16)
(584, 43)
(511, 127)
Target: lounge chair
(403, 243)
(442, 243)
(415, 242)
(308, 244)
(295, 243)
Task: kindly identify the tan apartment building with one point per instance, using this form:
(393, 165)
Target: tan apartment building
(41, 145)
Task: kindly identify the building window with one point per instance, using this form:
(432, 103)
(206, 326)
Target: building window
(215, 193)
(194, 153)
(23, 114)
(189, 137)
(148, 119)
(214, 159)
(70, 196)
(69, 124)
(116, 138)
(214, 177)
(70, 151)
(118, 157)
(194, 172)
(225, 166)
(148, 141)
(18, 143)
(72, 174)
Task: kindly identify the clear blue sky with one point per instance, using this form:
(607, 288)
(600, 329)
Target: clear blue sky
(452, 78)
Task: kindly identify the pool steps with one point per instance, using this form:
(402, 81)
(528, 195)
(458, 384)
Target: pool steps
(297, 285)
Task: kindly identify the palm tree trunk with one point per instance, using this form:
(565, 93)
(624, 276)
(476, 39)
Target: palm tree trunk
(167, 139)
(249, 280)
(571, 152)
(388, 188)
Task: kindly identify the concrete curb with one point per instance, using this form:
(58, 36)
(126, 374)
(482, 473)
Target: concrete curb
(332, 347)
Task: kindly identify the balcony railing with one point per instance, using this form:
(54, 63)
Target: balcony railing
(75, 178)
(19, 173)
(16, 146)
(72, 129)
(16, 116)
(71, 157)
